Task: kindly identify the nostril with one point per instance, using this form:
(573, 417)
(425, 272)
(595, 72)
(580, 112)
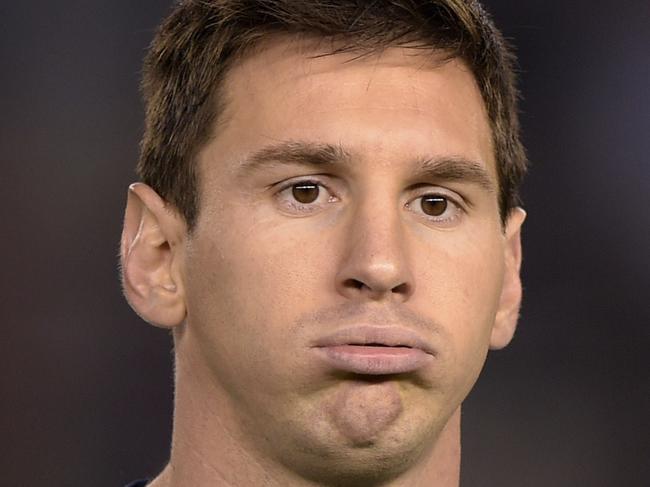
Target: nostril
(355, 283)
(401, 289)
(375, 290)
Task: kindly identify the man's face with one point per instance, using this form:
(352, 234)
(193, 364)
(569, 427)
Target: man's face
(347, 265)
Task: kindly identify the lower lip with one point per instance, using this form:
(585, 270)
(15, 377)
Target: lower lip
(370, 360)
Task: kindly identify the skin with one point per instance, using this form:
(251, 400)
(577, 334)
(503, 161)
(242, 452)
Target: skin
(262, 277)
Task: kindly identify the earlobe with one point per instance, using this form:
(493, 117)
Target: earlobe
(511, 291)
(150, 257)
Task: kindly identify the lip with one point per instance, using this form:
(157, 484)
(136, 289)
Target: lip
(375, 350)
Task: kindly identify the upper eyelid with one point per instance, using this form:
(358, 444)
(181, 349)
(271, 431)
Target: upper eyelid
(284, 185)
(301, 179)
(451, 200)
(453, 196)
(458, 213)
(423, 189)
(316, 178)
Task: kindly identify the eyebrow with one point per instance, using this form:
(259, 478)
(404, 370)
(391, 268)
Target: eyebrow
(456, 168)
(292, 152)
(447, 168)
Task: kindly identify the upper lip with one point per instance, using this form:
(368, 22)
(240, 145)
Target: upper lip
(390, 336)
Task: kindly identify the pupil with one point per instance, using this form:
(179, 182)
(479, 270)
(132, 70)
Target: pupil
(305, 193)
(434, 205)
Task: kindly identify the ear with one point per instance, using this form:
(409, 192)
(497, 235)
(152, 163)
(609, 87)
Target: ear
(151, 258)
(510, 300)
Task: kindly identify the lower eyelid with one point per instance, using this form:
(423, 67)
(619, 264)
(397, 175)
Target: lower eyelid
(305, 207)
(457, 212)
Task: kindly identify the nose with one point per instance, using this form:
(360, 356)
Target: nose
(374, 264)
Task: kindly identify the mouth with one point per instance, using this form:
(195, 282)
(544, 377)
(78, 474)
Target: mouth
(373, 350)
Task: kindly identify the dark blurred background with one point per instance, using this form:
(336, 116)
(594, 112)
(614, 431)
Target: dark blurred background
(86, 387)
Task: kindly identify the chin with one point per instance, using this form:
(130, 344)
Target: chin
(329, 458)
(371, 465)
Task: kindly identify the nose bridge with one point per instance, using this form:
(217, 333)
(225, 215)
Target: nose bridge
(378, 228)
(376, 261)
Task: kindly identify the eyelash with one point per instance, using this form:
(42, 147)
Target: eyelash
(453, 207)
(306, 208)
(458, 208)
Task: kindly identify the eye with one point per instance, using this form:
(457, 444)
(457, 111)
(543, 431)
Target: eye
(304, 196)
(305, 192)
(435, 207)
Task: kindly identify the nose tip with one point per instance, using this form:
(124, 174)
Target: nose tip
(375, 265)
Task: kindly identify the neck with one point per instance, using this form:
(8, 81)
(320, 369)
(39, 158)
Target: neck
(208, 450)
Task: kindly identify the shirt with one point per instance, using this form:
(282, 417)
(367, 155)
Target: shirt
(138, 483)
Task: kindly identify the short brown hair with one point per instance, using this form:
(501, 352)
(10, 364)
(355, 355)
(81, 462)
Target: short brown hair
(196, 45)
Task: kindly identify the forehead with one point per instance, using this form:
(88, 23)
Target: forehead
(407, 99)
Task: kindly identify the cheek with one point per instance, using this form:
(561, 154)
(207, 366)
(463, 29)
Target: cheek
(277, 276)
(481, 273)
(464, 271)
(245, 294)
(463, 285)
